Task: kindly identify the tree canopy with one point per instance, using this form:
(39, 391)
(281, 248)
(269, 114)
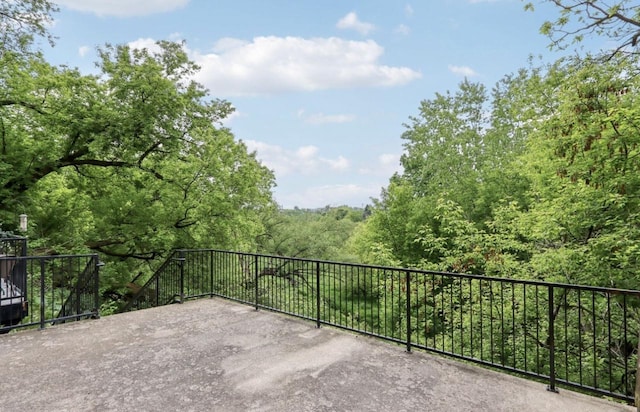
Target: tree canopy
(22, 22)
(535, 177)
(555, 199)
(131, 162)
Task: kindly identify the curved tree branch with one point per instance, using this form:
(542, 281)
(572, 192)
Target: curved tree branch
(11, 102)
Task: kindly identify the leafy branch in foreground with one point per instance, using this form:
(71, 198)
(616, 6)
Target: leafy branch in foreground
(617, 21)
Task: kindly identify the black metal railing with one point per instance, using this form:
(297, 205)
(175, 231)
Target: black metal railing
(164, 287)
(578, 336)
(83, 299)
(50, 289)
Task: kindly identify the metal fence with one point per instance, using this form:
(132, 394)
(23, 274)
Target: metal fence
(578, 336)
(40, 290)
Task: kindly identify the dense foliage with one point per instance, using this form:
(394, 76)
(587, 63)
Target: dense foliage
(311, 233)
(131, 162)
(543, 186)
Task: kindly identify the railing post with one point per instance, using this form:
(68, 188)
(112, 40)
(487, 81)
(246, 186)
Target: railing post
(552, 345)
(255, 282)
(317, 294)
(408, 288)
(182, 260)
(78, 297)
(211, 273)
(157, 294)
(42, 285)
(96, 288)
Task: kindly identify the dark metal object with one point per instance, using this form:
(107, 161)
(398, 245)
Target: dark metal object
(84, 299)
(551, 340)
(576, 336)
(13, 282)
(58, 289)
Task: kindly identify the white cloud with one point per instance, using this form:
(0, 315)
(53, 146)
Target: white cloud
(227, 121)
(83, 50)
(123, 8)
(146, 43)
(388, 159)
(462, 71)
(408, 10)
(228, 43)
(321, 118)
(387, 164)
(305, 160)
(269, 65)
(333, 195)
(339, 164)
(403, 29)
(351, 22)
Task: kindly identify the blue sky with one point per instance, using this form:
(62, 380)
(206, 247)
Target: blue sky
(321, 88)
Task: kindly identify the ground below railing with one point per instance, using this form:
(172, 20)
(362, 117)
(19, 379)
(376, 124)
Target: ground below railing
(214, 354)
(581, 337)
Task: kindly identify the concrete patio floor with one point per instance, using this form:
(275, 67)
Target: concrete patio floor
(216, 355)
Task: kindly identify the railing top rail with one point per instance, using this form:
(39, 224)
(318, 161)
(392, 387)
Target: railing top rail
(93, 255)
(531, 282)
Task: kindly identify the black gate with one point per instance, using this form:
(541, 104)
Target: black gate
(40, 290)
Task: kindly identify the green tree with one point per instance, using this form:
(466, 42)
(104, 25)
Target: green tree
(314, 234)
(131, 162)
(22, 21)
(583, 164)
(459, 151)
(443, 146)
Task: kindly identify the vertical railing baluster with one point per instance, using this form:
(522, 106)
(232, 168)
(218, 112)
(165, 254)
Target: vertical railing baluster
(96, 285)
(211, 255)
(470, 317)
(537, 329)
(552, 361)
(182, 263)
(408, 291)
(42, 292)
(481, 316)
(595, 330)
(626, 342)
(566, 334)
(580, 336)
(318, 294)
(524, 323)
(609, 345)
(491, 347)
(255, 281)
(451, 314)
(502, 340)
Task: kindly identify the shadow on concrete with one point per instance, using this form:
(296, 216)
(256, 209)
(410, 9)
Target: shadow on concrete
(216, 355)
